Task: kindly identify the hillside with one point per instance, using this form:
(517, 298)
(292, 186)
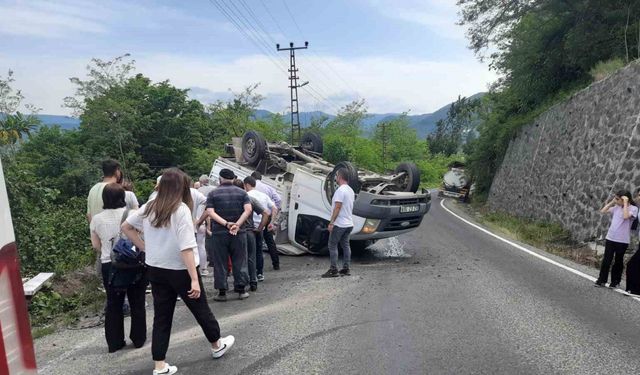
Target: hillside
(424, 123)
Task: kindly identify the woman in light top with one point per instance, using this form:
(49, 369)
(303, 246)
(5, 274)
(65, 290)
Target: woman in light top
(172, 261)
(105, 228)
(623, 211)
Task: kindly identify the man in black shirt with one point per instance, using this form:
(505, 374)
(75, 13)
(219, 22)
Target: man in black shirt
(229, 208)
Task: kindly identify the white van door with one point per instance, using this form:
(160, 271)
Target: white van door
(309, 210)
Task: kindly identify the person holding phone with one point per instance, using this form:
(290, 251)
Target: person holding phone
(172, 261)
(623, 211)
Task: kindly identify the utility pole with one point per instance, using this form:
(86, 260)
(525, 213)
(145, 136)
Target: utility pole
(293, 85)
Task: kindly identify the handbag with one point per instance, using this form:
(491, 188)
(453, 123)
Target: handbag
(127, 264)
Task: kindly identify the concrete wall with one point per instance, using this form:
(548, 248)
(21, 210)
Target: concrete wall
(565, 164)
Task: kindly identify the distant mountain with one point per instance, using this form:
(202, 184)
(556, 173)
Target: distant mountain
(65, 122)
(424, 124)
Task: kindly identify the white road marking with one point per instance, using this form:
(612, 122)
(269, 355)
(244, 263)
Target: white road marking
(524, 249)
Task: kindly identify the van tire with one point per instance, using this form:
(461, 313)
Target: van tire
(254, 147)
(331, 185)
(312, 141)
(411, 182)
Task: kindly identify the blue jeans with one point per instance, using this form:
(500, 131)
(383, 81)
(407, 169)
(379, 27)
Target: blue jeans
(340, 236)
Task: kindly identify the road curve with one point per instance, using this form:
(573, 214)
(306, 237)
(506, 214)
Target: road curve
(457, 301)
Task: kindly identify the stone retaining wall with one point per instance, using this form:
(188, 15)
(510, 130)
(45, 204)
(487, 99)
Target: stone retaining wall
(564, 165)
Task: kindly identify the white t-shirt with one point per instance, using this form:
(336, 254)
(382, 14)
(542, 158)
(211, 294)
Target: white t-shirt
(131, 200)
(264, 201)
(199, 203)
(346, 196)
(163, 245)
(94, 200)
(106, 225)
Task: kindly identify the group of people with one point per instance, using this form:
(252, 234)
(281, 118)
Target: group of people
(623, 210)
(182, 230)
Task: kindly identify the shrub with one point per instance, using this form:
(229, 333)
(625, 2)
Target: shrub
(603, 69)
(53, 237)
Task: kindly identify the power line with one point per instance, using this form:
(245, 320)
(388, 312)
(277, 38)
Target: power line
(273, 18)
(347, 85)
(245, 34)
(252, 35)
(310, 90)
(257, 19)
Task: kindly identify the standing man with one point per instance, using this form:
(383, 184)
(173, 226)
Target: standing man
(250, 186)
(341, 225)
(267, 234)
(111, 173)
(199, 208)
(254, 229)
(229, 207)
(206, 188)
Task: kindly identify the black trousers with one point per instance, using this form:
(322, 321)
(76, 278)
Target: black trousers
(613, 251)
(226, 245)
(166, 286)
(633, 273)
(271, 245)
(114, 317)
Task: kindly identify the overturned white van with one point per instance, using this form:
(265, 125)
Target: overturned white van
(385, 205)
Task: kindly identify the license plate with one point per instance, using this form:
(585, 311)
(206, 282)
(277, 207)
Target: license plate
(408, 209)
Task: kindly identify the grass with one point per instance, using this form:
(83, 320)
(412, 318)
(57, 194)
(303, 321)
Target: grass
(604, 69)
(550, 237)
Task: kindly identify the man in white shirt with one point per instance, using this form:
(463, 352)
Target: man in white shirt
(341, 225)
(266, 202)
(199, 207)
(111, 173)
(205, 185)
(267, 234)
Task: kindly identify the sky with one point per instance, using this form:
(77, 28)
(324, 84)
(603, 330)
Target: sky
(398, 55)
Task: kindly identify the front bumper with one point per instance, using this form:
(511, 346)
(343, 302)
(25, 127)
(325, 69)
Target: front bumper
(387, 209)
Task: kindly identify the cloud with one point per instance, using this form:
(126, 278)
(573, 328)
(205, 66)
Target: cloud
(42, 19)
(387, 84)
(75, 18)
(438, 16)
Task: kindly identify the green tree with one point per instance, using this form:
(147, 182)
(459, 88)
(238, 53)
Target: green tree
(396, 141)
(14, 126)
(543, 50)
(101, 76)
(451, 133)
(147, 126)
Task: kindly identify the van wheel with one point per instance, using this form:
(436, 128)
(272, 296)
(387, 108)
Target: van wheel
(312, 142)
(331, 185)
(254, 147)
(410, 182)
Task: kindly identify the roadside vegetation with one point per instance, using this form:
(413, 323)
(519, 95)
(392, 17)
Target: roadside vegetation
(544, 235)
(544, 51)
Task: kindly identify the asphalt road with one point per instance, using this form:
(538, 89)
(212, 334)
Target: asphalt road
(449, 300)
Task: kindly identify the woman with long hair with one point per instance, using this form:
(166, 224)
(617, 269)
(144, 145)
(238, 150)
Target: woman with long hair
(105, 228)
(623, 211)
(172, 265)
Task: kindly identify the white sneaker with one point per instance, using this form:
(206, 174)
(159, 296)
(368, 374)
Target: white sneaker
(204, 272)
(167, 370)
(225, 344)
